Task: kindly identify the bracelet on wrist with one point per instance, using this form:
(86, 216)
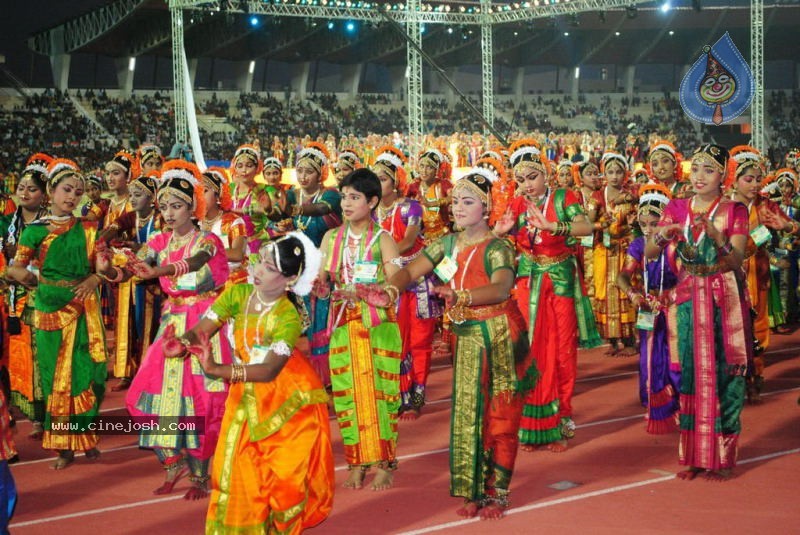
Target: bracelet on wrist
(726, 249)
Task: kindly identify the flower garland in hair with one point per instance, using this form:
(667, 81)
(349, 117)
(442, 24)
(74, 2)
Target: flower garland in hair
(742, 157)
(181, 169)
(223, 191)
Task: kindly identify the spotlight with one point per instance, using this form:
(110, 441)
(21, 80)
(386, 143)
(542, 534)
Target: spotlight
(350, 27)
(330, 24)
(254, 21)
(665, 7)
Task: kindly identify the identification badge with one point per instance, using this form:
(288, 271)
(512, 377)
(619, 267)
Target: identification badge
(645, 320)
(258, 354)
(365, 272)
(780, 253)
(446, 269)
(760, 235)
(33, 269)
(587, 241)
(188, 281)
(606, 240)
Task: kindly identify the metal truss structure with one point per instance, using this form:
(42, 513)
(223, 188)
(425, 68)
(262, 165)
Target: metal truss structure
(413, 14)
(81, 31)
(757, 117)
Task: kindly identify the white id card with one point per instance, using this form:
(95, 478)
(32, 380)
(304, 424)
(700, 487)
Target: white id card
(446, 269)
(258, 354)
(645, 320)
(188, 281)
(760, 235)
(365, 272)
(587, 241)
(606, 240)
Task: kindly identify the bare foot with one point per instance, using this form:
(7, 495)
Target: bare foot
(64, 459)
(628, 352)
(559, 446)
(468, 510)
(384, 480)
(493, 511)
(721, 475)
(356, 478)
(529, 447)
(37, 431)
(409, 415)
(197, 491)
(690, 473)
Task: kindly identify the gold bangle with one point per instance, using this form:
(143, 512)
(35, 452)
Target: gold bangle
(393, 292)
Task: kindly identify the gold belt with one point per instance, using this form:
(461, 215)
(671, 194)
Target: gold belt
(63, 283)
(477, 313)
(702, 269)
(544, 260)
(193, 299)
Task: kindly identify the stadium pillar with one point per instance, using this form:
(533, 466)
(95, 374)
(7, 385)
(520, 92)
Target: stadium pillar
(351, 78)
(244, 78)
(59, 59)
(60, 65)
(630, 76)
(125, 70)
(519, 82)
(574, 82)
(797, 75)
(192, 69)
(300, 72)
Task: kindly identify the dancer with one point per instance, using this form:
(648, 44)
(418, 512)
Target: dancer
(273, 466)
(417, 311)
(192, 269)
(613, 205)
(23, 370)
(705, 238)
(365, 343)
(228, 226)
(142, 299)
(69, 334)
(493, 368)
(659, 380)
(314, 209)
(665, 165)
(543, 222)
(250, 199)
(745, 172)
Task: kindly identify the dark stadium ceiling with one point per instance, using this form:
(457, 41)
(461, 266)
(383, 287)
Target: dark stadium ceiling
(622, 36)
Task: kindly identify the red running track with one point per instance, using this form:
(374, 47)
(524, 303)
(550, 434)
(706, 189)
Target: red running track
(615, 478)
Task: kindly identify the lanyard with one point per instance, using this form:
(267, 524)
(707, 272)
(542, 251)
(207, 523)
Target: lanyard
(661, 282)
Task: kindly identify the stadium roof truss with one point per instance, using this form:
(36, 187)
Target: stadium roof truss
(79, 34)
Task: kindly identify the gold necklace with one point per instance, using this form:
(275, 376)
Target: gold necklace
(464, 242)
(386, 211)
(208, 224)
(179, 242)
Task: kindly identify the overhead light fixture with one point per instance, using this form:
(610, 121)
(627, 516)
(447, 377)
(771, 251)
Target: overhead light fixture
(665, 7)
